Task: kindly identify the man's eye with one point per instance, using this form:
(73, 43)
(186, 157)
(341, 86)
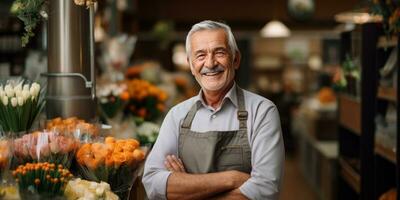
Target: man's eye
(200, 56)
(220, 53)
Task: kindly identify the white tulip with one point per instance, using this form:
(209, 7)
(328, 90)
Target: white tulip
(9, 91)
(35, 89)
(25, 94)
(20, 101)
(26, 87)
(5, 100)
(36, 85)
(14, 102)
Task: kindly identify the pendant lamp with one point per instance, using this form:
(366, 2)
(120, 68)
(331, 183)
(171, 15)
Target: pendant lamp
(275, 29)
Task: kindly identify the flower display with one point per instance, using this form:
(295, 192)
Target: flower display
(74, 126)
(77, 189)
(52, 147)
(20, 105)
(114, 161)
(5, 154)
(45, 179)
(390, 12)
(147, 133)
(30, 12)
(111, 97)
(145, 99)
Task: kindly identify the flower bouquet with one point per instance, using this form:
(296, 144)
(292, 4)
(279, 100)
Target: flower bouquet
(147, 133)
(21, 103)
(41, 180)
(5, 154)
(45, 146)
(78, 128)
(111, 98)
(145, 99)
(114, 162)
(83, 189)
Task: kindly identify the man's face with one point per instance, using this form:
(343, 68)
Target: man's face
(211, 60)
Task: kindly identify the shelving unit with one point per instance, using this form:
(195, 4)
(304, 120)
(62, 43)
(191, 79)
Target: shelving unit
(385, 152)
(387, 93)
(367, 166)
(350, 175)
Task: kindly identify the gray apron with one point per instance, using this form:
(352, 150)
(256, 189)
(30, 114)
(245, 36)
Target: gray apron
(215, 151)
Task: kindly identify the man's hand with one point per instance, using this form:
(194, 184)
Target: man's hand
(174, 164)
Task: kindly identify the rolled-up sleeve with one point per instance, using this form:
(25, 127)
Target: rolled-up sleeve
(267, 155)
(155, 175)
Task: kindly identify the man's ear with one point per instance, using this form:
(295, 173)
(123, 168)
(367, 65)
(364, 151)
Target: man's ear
(236, 60)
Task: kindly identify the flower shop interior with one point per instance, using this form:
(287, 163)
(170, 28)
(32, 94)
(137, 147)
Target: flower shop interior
(85, 86)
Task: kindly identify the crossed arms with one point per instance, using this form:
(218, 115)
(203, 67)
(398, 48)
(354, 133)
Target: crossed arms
(220, 185)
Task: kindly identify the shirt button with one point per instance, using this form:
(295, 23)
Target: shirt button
(214, 116)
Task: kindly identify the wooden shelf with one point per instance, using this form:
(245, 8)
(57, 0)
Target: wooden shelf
(349, 175)
(350, 113)
(384, 42)
(385, 152)
(387, 93)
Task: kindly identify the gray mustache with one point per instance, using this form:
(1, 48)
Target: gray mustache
(215, 69)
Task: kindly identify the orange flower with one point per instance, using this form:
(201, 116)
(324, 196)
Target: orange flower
(138, 154)
(109, 140)
(119, 158)
(142, 112)
(134, 142)
(109, 161)
(124, 96)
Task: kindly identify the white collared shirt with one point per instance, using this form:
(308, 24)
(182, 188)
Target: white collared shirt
(264, 135)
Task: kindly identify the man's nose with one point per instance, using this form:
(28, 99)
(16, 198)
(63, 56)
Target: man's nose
(210, 61)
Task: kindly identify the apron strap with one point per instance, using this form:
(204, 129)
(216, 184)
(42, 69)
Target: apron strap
(187, 122)
(241, 113)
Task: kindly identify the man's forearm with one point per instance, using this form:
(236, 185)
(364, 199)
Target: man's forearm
(201, 186)
(230, 195)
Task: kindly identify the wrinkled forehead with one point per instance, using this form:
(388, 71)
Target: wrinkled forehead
(208, 39)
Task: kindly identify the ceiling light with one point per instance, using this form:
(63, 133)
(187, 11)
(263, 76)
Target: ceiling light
(275, 29)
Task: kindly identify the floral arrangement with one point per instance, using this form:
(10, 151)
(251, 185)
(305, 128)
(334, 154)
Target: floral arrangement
(114, 161)
(51, 147)
(45, 179)
(111, 98)
(390, 12)
(82, 189)
(147, 133)
(5, 154)
(347, 76)
(20, 105)
(145, 99)
(30, 12)
(74, 126)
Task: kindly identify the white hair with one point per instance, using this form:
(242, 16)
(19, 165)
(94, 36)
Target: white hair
(212, 25)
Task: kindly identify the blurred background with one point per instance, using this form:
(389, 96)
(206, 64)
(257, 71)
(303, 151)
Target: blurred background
(330, 66)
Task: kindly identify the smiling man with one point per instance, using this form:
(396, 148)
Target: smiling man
(224, 143)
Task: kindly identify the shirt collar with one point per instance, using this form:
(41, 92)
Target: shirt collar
(231, 95)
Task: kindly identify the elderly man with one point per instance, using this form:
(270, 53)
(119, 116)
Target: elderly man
(224, 143)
